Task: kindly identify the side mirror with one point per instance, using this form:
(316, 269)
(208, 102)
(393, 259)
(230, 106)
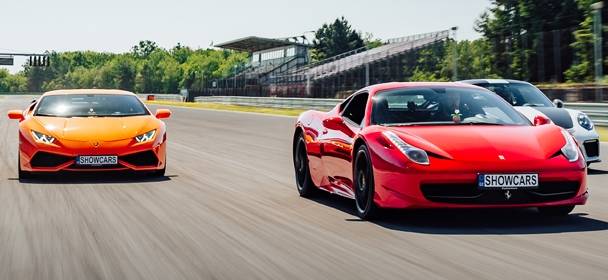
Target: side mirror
(162, 113)
(541, 120)
(15, 115)
(336, 123)
(558, 103)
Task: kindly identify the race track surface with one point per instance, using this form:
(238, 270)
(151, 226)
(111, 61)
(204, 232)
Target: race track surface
(229, 209)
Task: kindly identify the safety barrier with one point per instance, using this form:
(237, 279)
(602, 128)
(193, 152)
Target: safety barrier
(272, 102)
(161, 97)
(596, 111)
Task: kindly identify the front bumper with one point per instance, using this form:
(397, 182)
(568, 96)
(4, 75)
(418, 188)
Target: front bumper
(61, 155)
(447, 184)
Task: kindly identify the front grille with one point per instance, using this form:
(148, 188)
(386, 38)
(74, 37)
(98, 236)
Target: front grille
(471, 194)
(44, 159)
(592, 148)
(147, 158)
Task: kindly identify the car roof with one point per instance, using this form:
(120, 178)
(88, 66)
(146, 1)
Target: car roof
(383, 86)
(492, 81)
(88, 91)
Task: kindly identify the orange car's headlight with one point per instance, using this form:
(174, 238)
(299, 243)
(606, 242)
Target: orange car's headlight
(42, 138)
(148, 136)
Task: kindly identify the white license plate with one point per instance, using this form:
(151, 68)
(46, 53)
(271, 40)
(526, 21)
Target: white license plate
(507, 181)
(96, 160)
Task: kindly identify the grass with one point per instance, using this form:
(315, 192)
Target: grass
(603, 132)
(224, 107)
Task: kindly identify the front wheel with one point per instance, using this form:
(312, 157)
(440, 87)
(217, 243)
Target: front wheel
(364, 185)
(306, 187)
(22, 174)
(160, 172)
(556, 210)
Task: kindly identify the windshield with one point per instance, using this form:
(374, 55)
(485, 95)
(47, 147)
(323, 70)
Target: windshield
(442, 105)
(90, 105)
(520, 94)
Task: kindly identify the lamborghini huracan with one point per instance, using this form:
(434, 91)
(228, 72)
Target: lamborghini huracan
(90, 130)
(437, 145)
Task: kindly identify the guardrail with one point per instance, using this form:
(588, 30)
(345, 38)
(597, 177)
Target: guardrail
(596, 111)
(272, 102)
(161, 96)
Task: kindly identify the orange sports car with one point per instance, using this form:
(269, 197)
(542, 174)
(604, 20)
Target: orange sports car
(90, 130)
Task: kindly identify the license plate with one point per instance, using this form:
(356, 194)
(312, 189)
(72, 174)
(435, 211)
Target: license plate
(96, 160)
(507, 181)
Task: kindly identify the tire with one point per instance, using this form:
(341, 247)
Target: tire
(556, 210)
(160, 172)
(304, 183)
(22, 174)
(363, 185)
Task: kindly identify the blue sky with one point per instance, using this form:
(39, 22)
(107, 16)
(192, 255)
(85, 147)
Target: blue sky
(114, 26)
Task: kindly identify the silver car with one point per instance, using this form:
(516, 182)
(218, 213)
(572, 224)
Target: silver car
(531, 102)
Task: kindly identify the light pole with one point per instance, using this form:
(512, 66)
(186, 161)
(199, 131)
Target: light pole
(454, 54)
(202, 80)
(304, 37)
(235, 77)
(597, 48)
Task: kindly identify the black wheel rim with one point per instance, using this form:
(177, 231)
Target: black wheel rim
(301, 164)
(362, 184)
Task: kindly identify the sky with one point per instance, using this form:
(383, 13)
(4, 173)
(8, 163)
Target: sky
(115, 26)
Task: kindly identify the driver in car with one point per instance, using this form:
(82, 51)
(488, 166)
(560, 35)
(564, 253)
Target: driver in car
(450, 109)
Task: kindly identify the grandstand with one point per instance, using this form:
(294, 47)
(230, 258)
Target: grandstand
(282, 67)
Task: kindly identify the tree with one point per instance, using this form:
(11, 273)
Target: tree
(370, 42)
(521, 30)
(334, 39)
(144, 49)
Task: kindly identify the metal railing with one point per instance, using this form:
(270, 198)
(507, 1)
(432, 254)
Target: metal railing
(272, 102)
(596, 111)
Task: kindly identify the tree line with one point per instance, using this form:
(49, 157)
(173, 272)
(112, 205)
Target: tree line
(533, 40)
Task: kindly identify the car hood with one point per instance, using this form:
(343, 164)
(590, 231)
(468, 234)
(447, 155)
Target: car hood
(485, 142)
(558, 116)
(100, 128)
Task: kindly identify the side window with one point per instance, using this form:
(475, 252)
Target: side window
(355, 109)
(33, 104)
(344, 103)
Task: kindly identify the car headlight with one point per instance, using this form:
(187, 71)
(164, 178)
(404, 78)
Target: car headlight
(570, 150)
(414, 154)
(42, 138)
(584, 121)
(148, 136)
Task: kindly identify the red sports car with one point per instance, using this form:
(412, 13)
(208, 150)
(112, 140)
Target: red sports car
(437, 145)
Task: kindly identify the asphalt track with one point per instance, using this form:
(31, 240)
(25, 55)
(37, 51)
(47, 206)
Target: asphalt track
(228, 209)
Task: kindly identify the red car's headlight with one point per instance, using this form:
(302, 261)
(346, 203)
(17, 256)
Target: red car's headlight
(414, 154)
(570, 150)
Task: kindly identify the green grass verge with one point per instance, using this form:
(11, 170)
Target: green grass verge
(603, 132)
(262, 110)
